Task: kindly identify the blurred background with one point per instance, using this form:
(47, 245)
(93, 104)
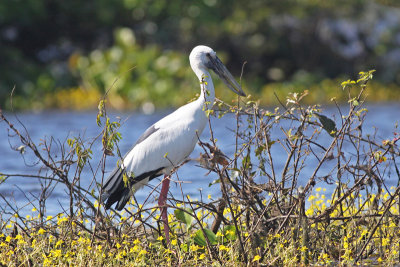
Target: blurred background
(66, 54)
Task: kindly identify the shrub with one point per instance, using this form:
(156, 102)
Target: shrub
(264, 216)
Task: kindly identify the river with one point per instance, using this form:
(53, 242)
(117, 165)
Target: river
(62, 125)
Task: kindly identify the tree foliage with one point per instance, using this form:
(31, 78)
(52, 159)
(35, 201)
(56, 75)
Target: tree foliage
(281, 40)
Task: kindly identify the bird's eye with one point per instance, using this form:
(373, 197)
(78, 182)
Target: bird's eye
(208, 55)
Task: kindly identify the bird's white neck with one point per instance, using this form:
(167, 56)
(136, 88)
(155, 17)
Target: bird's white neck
(207, 93)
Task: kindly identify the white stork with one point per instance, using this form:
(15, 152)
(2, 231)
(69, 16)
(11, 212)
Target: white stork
(169, 141)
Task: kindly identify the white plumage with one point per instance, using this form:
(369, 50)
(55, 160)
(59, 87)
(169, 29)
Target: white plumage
(170, 140)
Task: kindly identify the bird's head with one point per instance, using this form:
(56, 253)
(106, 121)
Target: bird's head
(203, 57)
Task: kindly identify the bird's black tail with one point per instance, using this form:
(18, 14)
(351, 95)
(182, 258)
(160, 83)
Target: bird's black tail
(115, 189)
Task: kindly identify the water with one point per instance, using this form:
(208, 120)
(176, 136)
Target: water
(62, 125)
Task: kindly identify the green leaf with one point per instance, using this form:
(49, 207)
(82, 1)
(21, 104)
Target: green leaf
(3, 178)
(259, 150)
(101, 112)
(246, 162)
(347, 83)
(327, 124)
(185, 247)
(209, 112)
(289, 133)
(200, 240)
(214, 182)
(270, 143)
(184, 217)
(230, 233)
(125, 178)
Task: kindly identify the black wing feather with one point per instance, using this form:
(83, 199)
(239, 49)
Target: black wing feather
(114, 190)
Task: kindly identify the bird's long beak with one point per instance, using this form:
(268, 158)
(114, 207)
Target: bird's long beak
(219, 68)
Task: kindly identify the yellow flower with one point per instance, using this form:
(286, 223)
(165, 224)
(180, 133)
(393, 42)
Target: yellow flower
(226, 211)
(41, 231)
(142, 252)
(46, 261)
(34, 209)
(385, 241)
(160, 238)
(61, 220)
(303, 249)
(194, 247)
(174, 242)
(119, 256)
(209, 196)
(218, 234)
(56, 253)
(230, 232)
(59, 243)
(325, 256)
(49, 218)
(202, 256)
(309, 212)
(10, 252)
(134, 249)
(222, 247)
(136, 241)
(8, 239)
(256, 258)
(167, 251)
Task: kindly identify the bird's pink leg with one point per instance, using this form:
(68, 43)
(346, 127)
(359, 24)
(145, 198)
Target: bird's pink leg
(163, 208)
